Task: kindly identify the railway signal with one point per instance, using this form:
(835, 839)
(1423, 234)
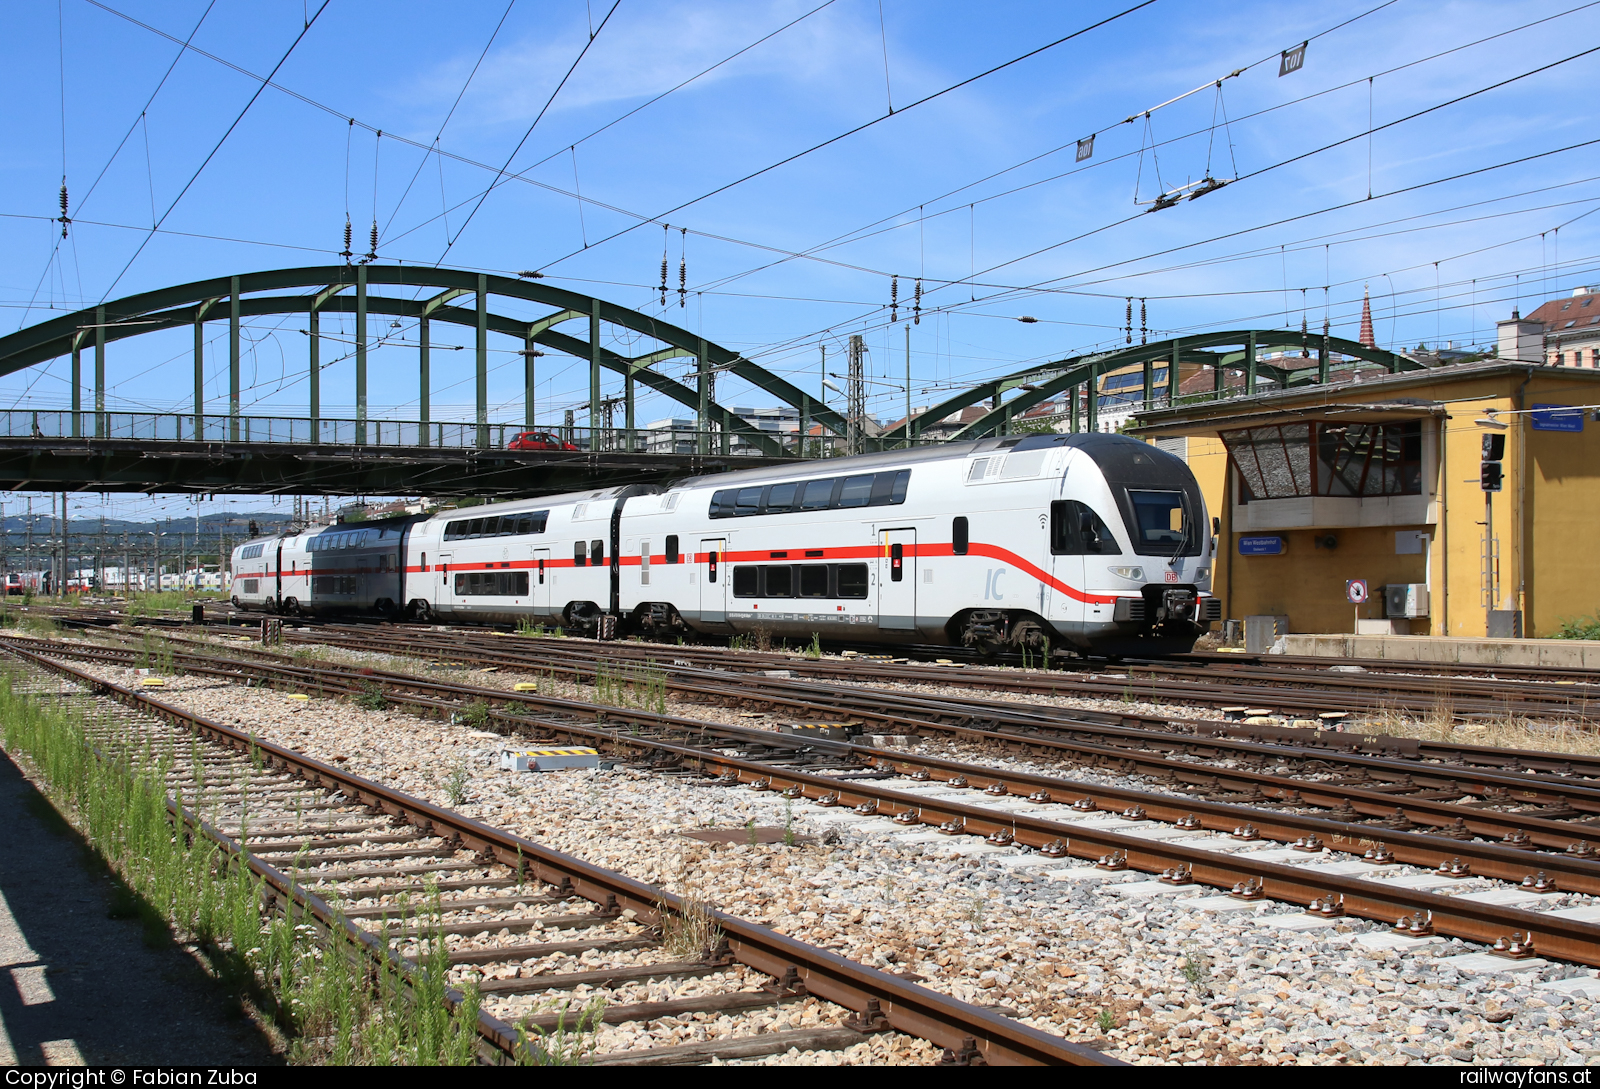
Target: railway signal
(1491, 473)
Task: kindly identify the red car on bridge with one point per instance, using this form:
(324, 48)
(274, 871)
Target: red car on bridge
(539, 440)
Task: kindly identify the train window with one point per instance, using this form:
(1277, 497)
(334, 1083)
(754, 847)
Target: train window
(492, 583)
(579, 556)
(744, 581)
(250, 552)
(1162, 520)
(672, 548)
(475, 528)
(959, 540)
(897, 565)
(814, 580)
(747, 502)
(452, 531)
(781, 498)
(897, 493)
(885, 485)
(818, 495)
(852, 580)
(1076, 530)
(856, 492)
(779, 580)
(524, 524)
(597, 553)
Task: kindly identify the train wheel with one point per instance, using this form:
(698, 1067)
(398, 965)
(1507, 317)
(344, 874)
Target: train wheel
(421, 611)
(291, 607)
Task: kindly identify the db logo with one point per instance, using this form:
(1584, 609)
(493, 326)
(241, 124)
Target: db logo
(1172, 576)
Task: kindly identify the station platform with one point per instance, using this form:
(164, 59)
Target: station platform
(1540, 653)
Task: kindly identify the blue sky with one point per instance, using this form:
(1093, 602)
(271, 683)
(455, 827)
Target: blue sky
(976, 191)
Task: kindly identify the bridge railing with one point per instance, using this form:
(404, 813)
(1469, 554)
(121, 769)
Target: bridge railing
(186, 427)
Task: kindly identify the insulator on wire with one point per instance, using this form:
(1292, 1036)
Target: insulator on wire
(65, 219)
(346, 253)
(1144, 323)
(683, 269)
(916, 304)
(372, 247)
(1127, 328)
(894, 298)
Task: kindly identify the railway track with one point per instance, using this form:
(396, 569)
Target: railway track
(1534, 777)
(1184, 839)
(1390, 793)
(517, 912)
(1297, 686)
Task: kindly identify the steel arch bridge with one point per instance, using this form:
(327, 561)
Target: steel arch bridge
(1292, 359)
(376, 455)
(346, 289)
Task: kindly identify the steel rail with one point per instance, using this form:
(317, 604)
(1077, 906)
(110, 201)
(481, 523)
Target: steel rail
(467, 647)
(1477, 922)
(908, 1008)
(1456, 823)
(957, 714)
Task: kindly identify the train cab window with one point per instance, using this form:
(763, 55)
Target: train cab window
(597, 553)
(779, 579)
(672, 548)
(857, 491)
(959, 539)
(814, 580)
(781, 498)
(852, 580)
(1162, 521)
(818, 495)
(579, 556)
(745, 581)
(1076, 530)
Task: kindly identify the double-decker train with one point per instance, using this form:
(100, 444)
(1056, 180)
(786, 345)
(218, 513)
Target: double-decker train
(1098, 543)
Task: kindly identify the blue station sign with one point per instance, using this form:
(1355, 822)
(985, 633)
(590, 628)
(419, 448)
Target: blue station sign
(1260, 546)
(1557, 418)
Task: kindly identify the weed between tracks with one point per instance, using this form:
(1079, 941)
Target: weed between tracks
(631, 685)
(336, 1004)
(1504, 731)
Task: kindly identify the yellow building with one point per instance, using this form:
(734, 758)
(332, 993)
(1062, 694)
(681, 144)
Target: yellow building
(1380, 480)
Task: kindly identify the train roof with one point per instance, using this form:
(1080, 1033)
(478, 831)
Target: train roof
(558, 499)
(1107, 450)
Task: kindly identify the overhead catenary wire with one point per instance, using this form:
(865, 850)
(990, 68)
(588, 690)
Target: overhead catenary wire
(895, 220)
(499, 174)
(212, 153)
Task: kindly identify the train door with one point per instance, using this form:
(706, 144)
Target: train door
(540, 580)
(1068, 562)
(443, 596)
(897, 579)
(714, 581)
(277, 587)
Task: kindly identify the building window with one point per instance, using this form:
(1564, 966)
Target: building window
(1327, 459)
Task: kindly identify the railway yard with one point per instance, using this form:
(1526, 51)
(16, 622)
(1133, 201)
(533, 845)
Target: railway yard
(838, 857)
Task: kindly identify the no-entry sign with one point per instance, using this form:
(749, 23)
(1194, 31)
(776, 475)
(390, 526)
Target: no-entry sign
(1355, 590)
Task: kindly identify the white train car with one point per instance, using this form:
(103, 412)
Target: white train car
(1098, 542)
(552, 560)
(1095, 542)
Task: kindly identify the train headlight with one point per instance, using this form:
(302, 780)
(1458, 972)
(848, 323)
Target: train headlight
(1133, 574)
(1202, 573)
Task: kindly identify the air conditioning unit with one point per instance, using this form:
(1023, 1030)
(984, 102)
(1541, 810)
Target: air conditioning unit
(1405, 600)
